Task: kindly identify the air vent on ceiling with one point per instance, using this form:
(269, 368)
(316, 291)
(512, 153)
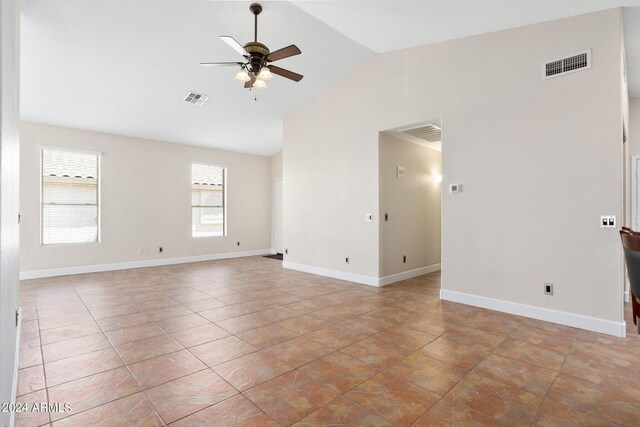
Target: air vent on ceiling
(570, 64)
(429, 133)
(196, 98)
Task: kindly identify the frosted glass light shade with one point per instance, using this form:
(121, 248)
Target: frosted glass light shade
(265, 74)
(243, 76)
(259, 84)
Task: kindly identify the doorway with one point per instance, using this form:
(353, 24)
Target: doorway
(635, 188)
(278, 217)
(410, 171)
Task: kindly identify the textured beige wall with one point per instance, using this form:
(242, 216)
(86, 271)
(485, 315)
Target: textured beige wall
(145, 200)
(540, 161)
(413, 205)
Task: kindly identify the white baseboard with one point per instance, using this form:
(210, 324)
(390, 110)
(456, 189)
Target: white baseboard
(359, 278)
(66, 271)
(603, 326)
(626, 296)
(14, 386)
(335, 274)
(405, 275)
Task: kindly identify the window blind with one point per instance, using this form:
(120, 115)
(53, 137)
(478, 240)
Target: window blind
(207, 200)
(69, 196)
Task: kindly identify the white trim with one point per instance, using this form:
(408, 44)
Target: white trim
(14, 387)
(604, 326)
(626, 296)
(217, 165)
(387, 280)
(359, 278)
(66, 271)
(335, 274)
(70, 149)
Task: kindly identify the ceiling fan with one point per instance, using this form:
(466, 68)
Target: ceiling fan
(256, 68)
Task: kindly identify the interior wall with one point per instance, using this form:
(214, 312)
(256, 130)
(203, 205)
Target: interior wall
(539, 161)
(276, 172)
(9, 205)
(145, 200)
(412, 204)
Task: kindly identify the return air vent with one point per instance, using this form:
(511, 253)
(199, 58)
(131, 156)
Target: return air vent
(429, 133)
(570, 64)
(196, 98)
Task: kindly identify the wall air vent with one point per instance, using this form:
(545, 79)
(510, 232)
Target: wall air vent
(429, 133)
(570, 64)
(196, 98)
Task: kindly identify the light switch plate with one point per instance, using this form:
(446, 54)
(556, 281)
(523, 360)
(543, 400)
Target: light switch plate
(369, 217)
(400, 172)
(455, 188)
(608, 221)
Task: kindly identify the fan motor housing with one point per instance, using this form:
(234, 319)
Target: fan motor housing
(256, 48)
(258, 52)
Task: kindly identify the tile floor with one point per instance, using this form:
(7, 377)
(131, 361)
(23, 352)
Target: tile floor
(244, 342)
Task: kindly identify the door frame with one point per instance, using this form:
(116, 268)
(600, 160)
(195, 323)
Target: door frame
(635, 224)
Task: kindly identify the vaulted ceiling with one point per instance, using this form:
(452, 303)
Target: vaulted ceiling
(124, 67)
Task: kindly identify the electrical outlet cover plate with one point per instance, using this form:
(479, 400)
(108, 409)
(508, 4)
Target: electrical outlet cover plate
(548, 288)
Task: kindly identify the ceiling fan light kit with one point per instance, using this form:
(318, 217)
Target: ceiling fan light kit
(256, 69)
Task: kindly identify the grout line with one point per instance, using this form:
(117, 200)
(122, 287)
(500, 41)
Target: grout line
(117, 354)
(554, 380)
(44, 369)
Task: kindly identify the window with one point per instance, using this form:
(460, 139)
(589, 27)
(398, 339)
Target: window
(69, 196)
(208, 200)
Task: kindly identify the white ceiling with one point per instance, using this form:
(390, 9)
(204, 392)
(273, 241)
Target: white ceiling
(124, 67)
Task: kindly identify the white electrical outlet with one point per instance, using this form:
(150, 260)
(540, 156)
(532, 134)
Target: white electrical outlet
(369, 217)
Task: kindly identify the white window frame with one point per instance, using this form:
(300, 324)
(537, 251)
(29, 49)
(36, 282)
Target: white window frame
(98, 154)
(225, 199)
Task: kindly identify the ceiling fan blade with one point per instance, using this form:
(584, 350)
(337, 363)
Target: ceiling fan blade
(250, 83)
(285, 52)
(235, 45)
(285, 73)
(214, 64)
